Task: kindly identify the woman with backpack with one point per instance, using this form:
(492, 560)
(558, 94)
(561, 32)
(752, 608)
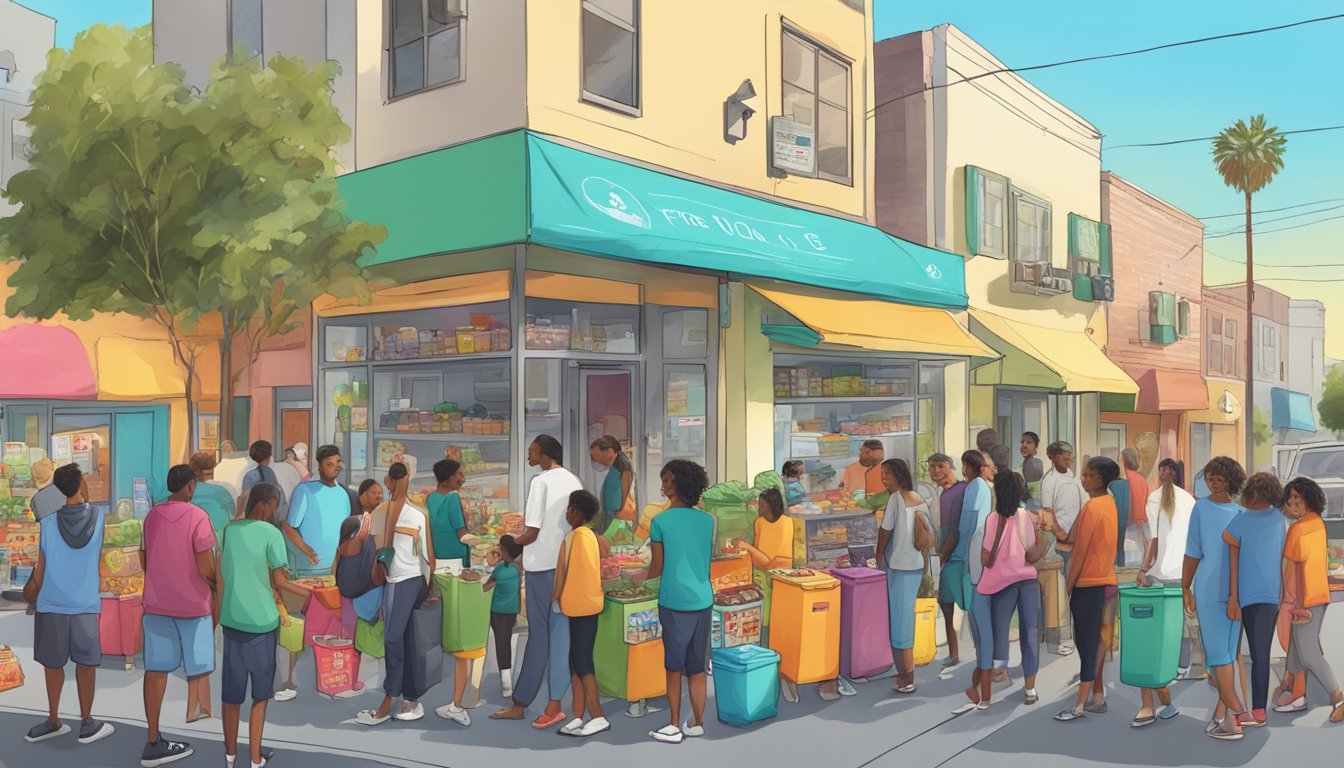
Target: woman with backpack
(903, 541)
(1010, 551)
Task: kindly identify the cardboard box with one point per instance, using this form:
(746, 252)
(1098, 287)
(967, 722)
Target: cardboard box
(11, 673)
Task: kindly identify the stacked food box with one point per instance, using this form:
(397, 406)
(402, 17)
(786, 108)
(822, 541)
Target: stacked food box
(410, 343)
(844, 381)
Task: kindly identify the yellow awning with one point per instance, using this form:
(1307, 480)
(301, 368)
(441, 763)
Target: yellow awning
(1050, 358)
(882, 326)
(147, 369)
(455, 291)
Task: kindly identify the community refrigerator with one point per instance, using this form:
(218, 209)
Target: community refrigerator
(833, 533)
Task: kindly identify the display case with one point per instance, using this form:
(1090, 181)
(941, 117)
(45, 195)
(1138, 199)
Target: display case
(737, 617)
(441, 332)
(566, 326)
(846, 538)
(345, 415)
(827, 408)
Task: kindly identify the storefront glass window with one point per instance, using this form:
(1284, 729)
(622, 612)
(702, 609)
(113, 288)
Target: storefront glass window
(86, 439)
(458, 411)
(435, 333)
(347, 342)
(345, 416)
(832, 406)
(564, 325)
(542, 405)
(685, 334)
(685, 409)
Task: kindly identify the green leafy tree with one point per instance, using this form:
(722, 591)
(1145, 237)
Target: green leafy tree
(1331, 407)
(147, 197)
(1248, 156)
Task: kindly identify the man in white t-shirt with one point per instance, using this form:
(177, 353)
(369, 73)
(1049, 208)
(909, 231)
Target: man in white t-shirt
(1062, 498)
(547, 651)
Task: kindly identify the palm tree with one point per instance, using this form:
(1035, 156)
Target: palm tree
(1247, 156)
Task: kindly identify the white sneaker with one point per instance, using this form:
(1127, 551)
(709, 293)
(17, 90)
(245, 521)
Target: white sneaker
(593, 727)
(572, 728)
(286, 694)
(455, 713)
(414, 713)
(693, 731)
(1296, 705)
(668, 734)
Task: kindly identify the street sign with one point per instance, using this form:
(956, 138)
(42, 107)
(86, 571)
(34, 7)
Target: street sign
(794, 147)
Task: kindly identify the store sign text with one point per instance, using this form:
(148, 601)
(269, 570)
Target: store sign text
(738, 228)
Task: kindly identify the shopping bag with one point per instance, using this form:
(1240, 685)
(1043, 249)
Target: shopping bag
(337, 665)
(369, 638)
(427, 634)
(291, 636)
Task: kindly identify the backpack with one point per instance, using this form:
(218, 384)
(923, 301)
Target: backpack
(922, 535)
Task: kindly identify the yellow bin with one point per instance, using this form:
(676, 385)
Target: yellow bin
(926, 635)
(805, 625)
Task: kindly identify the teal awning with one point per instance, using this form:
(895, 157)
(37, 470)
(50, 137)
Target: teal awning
(1291, 410)
(519, 187)
(588, 204)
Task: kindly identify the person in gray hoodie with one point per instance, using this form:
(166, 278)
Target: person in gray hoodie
(63, 597)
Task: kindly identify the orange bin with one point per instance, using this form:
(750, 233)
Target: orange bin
(805, 625)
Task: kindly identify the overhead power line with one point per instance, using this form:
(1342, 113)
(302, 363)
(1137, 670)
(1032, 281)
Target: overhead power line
(1279, 229)
(1211, 138)
(1240, 229)
(1271, 210)
(1101, 57)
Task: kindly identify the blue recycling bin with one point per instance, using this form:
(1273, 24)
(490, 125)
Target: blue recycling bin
(1151, 620)
(746, 684)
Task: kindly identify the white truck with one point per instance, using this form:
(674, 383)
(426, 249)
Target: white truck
(1324, 463)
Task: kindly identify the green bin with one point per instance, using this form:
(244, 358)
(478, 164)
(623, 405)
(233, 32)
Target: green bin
(1151, 619)
(466, 613)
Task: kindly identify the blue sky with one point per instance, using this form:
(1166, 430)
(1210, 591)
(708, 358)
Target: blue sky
(1189, 92)
(74, 16)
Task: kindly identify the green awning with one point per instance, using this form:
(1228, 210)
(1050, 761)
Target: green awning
(470, 196)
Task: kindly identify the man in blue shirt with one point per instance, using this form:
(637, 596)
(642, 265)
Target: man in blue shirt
(63, 595)
(315, 515)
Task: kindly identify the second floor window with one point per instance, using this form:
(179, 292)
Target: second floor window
(1221, 333)
(244, 31)
(1031, 229)
(816, 93)
(1269, 349)
(426, 44)
(611, 54)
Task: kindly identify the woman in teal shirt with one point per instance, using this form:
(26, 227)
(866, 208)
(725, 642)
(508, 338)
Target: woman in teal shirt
(447, 521)
(618, 485)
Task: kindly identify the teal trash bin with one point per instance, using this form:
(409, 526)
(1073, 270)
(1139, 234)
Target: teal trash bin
(1150, 635)
(746, 684)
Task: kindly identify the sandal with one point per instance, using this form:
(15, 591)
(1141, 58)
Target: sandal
(1296, 705)
(1142, 721)
(1337, 712)
(905, 690)
(969, 706)
(1069, 715)
(1223, 734)
(545, 722)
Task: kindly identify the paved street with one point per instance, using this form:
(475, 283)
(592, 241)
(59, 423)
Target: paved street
(871, 729)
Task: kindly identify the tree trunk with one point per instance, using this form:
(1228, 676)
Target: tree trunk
(1249, 418)
(226, 379)
(190, 379)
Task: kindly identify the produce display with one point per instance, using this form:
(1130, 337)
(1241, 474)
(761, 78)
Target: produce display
(124, 534)
(844, 381)
(622, 567)
(629, 593)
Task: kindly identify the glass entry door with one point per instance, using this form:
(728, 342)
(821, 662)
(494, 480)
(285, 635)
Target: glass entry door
(605, 405)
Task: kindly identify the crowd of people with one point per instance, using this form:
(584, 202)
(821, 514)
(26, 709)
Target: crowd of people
(1250, 559)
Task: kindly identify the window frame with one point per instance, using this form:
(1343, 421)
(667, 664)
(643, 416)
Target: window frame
(390, 48)
(1017, 196)
(589, 97)
(261, 34)
(819, 50)
(1267, 357)
(983, 176)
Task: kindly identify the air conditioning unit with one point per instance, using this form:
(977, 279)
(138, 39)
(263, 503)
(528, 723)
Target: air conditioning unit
(1057, 283)
(1162, 308)
(1028, 272)
(1103, 288)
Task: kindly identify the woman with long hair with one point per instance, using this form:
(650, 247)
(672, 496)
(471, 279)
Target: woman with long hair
(1009, 553)
(617, 493)
(899, 554)
(1091, 571)
(1168, 509)
(1205, 585)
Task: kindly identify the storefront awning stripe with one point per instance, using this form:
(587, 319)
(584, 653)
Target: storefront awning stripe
(882, 326)
(44, 361)
(1291, 410)
(456, 291)
(552, 285)
(588, 204)
(1079, 364)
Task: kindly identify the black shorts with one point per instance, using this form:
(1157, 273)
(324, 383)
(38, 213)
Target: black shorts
(582, 638)
(248, 656)
(59, 638)
(685, 640)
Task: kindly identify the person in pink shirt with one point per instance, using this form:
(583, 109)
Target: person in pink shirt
(1009, 553)
(178, 556)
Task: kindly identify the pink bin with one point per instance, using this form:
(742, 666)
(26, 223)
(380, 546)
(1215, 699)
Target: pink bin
(320, 621)
(865, 645)
(119, 631)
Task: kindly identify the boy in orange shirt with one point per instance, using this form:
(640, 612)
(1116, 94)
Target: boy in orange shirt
(578, 594)
(1305, 551)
